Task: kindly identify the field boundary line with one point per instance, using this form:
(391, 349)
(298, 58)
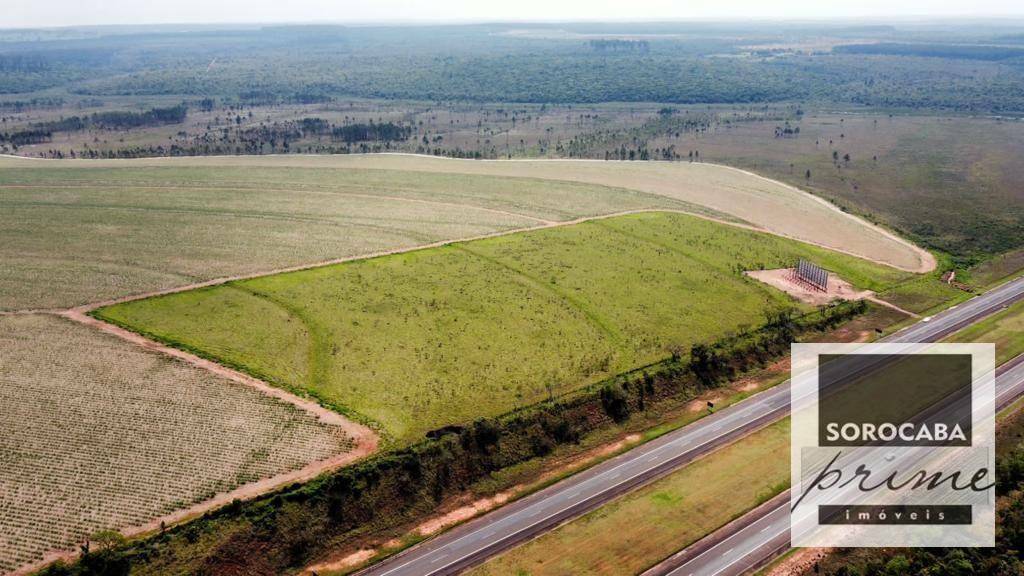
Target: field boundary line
(365, 440)
(86, 308)
(928, 262)
(926, 259)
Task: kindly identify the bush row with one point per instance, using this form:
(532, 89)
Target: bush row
(285, 530)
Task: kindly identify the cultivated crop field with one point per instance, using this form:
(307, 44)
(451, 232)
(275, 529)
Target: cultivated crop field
(75, 233)
(98, 434)
(409, 341)
(445, 335)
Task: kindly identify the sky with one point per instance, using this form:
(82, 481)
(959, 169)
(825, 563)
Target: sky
(52, 13)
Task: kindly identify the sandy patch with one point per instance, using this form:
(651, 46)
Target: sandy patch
(838, 289)
(701, 404)
(463, 513)
(801, 561)
(785, 279)
(352, 560)
(615, 446)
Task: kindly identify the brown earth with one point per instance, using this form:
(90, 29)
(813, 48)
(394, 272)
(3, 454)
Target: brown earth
(837, 289)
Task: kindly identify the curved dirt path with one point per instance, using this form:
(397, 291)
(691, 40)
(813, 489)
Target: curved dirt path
(86, 308)
(366, 441)
(787, 218)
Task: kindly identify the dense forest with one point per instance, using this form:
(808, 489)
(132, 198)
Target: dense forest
(672, 63)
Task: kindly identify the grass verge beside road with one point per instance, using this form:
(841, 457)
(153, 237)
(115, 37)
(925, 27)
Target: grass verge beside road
(1005, 329)
(635, 531)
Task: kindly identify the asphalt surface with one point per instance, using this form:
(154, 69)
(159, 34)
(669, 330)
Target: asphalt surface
(760, 536)
(475, 541)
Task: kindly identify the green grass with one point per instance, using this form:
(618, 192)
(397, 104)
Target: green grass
(639, 529)
(439, 336)
(72, 234)
(1005, 330)
(924, 294)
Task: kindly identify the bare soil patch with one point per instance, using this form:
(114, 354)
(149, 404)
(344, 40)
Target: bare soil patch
(785, 279)
(801, 561)
(838, 289)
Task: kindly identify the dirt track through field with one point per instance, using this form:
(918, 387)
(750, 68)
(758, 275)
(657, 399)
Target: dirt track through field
(84, 309)
(366, 440)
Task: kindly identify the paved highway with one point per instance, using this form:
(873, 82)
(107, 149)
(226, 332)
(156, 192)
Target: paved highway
(492, 533)
(758, 537)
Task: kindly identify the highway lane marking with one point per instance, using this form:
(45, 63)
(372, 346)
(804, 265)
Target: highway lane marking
(734, 561)
(727, 551)
(599, 476)
(1010, 388)
(735, 534)
(937, 325)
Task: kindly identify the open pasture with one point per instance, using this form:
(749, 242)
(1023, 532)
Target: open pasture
(439, 336)
(75, 233)
(97, 434)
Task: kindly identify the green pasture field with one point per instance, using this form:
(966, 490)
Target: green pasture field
(439, 336)
(76, 233)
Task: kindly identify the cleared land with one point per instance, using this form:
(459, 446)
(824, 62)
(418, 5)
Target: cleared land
(82, 231)
(445, 335)
(72, 234)
(98, 434)
(645, 526)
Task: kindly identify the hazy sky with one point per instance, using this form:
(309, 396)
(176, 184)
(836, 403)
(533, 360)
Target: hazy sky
(42, 13)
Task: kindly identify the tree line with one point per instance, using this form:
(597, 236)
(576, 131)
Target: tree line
(294, 525)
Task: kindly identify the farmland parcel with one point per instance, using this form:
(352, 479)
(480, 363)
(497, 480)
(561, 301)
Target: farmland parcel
(100, 435)
(410, 341)
(72, 232)
(445, 335)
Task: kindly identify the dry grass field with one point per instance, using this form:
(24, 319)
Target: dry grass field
(74, 233)
(83, 231)
(949, 183)
(98, 434)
